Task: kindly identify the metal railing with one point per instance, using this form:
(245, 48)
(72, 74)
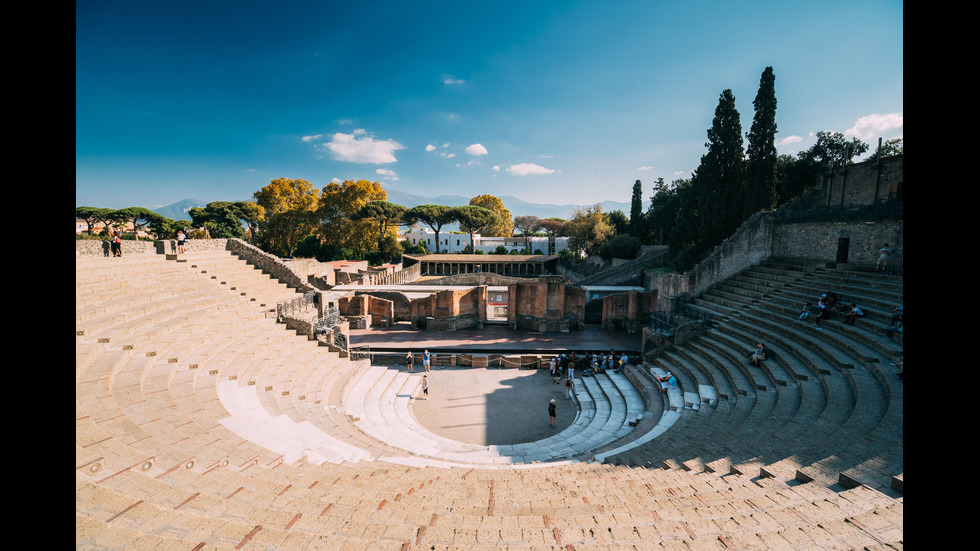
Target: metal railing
(295, 305)
(328, 322)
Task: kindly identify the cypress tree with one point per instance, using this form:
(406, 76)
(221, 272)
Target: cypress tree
(761, 173)
(719, 179)
(636, 211)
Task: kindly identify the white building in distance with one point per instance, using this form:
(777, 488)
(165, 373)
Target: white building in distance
(454, 242)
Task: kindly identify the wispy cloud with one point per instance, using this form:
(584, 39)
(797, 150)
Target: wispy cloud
(430, 148)
(645, 167)
(452, 81)
(358, 147)
(387, 174)
(523, 169)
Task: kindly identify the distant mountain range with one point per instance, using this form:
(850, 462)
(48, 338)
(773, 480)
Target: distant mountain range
(517, 207)
(179, 210)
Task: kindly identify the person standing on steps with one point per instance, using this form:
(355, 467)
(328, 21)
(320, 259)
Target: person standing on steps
(426, 359)
(883, 255)
(410, 361)
(425, 387)
(569, 385)
(552, 413)
(181, 238)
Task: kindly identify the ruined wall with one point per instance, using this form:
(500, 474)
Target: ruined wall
(451, 309)
(378, 311)
(628, 311)
(546, 305)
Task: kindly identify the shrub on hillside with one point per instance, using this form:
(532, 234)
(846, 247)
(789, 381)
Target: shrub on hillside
(620, 246)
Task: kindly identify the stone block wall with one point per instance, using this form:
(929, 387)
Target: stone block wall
(822, 240)
(546, 305)
(451, 309)
(379, 311)
(629, 311)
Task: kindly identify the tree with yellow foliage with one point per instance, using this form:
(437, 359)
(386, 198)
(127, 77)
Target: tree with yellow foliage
(504, 227)
(337, 214)
(289, 214)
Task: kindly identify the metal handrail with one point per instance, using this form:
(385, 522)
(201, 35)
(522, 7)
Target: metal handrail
(291, 306)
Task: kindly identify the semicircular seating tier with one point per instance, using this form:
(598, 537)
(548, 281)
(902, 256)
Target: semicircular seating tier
(201, 423)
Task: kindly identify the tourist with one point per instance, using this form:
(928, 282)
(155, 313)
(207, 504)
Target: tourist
(552, 413)
(853, 314)
(667, 381)
(425, 387)
(897, 327)
(426, 359)
(805, 313)
(569, 385)
(410, 361)
(822, 313)
(759, 354)
(883, 255)
(180, 241)
(116, 244)
(897, 314)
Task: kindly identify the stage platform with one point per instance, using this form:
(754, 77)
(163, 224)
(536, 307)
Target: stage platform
(493, 339)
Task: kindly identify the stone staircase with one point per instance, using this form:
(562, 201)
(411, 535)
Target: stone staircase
(201, 423)
(826, 406)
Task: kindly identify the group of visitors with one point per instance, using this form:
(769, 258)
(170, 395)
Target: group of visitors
(564, 365)
(829, 303)
(426, 361)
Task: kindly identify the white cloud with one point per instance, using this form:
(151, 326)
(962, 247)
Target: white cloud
(645, 167)
(311, 138)
(453, 81)
(496, 168)
(476, 149)
(387, 174)
(358, 147)
(523, 169)
(873, 126)
(430, 147)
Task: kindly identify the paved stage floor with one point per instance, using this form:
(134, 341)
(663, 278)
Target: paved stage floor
(492, 406)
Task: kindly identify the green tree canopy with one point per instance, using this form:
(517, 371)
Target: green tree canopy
(588, 230)
(382, 213)
(434, 216)
(527, 225)
(553, 226)
(221, 218)
(94, 215)
(135, 217)
(473, 219)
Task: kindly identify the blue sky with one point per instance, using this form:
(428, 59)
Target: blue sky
(551, 101)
